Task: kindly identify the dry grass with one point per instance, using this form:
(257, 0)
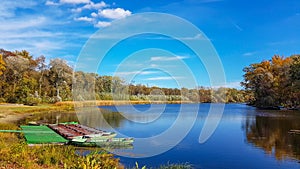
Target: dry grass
(10, 113)
(114, 102)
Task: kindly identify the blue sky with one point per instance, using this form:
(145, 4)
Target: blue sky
(242, 32)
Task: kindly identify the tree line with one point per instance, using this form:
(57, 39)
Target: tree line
(29, 80)
(274, 82)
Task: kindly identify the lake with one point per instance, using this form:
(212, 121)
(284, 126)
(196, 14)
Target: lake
(245, 137)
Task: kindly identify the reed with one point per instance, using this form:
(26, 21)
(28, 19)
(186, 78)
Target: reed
(114, 102)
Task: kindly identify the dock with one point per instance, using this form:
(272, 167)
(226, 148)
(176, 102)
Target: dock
(42, 135)
(295, 132)
(39, 135)
(71, 133)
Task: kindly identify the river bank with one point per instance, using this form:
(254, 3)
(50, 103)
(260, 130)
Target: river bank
(115, 102)
(11, 113)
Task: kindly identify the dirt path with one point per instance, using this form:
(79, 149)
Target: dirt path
(9, 116)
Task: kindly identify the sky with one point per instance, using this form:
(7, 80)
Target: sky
(241, 32)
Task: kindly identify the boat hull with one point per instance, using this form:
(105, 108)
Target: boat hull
(113, 142)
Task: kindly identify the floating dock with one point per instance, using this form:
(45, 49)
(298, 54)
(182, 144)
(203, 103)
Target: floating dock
(39, 135)
(42, 135)
(76, 134)
(69, 131)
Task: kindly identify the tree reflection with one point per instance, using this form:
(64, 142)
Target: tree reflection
(51, 118)
(100, 118)
(271, 133)
(87, 116)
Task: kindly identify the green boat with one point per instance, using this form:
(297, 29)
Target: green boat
(96, 137)
(70, 122)
(98, 141)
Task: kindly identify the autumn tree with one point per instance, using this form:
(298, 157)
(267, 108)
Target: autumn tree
(295, 81)
(60, 77)
(273, 82)
(2, 65)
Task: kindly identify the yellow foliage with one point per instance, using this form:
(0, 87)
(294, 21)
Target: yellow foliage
(2, 65)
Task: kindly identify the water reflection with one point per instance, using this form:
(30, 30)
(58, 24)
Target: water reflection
(51, 118)
(270, 131)
(85, 117)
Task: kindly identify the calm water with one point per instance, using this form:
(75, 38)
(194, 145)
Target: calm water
(245, 138)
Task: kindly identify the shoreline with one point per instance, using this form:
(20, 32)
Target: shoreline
(115, 102)
(12, 113)
(12, 118)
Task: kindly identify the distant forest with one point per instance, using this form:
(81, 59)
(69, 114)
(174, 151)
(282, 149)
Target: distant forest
(28, 80)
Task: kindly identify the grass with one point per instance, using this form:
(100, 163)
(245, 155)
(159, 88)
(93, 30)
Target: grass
(14, 153)
(10, 113)
(21, 109)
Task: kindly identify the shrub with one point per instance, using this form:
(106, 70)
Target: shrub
(32, 101)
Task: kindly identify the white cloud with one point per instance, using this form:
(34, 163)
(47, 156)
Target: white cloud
(27, 34)
(74, 1)
(84, 18)
(154, 65)
(163, 78)
(166, 58)
(35, 45)
(236, 84)
(101, 24)
(8, 7)
(196, 37)
(249, 53)
(91, 5)
(47, 45)
(51, 3)
(94, 14)
(23, 23)
(39, 33)
(117, 13)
